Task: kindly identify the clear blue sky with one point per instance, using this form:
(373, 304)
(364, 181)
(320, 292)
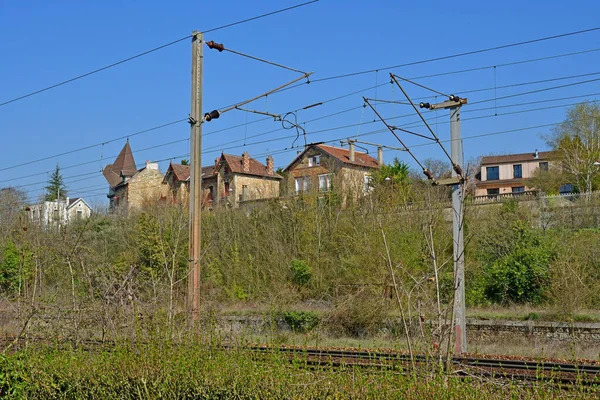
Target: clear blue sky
(47, 42)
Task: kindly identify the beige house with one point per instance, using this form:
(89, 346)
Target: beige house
(130, 188)
(509, 173)
(231, 180)
(78, 209)
(319, 168)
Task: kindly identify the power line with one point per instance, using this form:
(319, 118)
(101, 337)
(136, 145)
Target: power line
(319, 131)
(505, 46)
(149, 52)
(94, 145)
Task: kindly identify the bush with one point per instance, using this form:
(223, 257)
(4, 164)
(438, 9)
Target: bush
(301, 273)
(301, 321)
(358, 315)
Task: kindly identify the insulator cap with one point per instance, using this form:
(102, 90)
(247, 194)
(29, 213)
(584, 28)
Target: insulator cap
(214, 114)
(428, 174)
(216, 46)
(458, 169)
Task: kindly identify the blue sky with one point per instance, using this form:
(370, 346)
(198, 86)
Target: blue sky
(48, 42)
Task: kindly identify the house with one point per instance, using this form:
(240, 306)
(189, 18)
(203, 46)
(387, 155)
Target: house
(319, 168)
(177, 179)
(59, 212)
(509, 173)
(50, 213)
(130, 187)
(78, 209)
(230, 180)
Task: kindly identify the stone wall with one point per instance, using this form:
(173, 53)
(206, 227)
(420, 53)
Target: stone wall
(145, 186)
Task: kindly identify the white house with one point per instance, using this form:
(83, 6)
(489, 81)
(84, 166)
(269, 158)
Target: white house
(59, 212)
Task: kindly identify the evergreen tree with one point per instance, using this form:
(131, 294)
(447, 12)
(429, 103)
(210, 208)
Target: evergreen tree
(56, 188)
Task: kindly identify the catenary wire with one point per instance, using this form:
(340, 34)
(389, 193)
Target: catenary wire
(147, 52)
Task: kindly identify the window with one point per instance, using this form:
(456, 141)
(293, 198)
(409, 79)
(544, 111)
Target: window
(55, 214)
(79, 214)
(544, 166)
(367, 183)
(325, 182)
(493, 173)
(517, 171)
(493, 192)
(314, 161)
(518, 189)
(302, 184)
(210, 193)
(566, 188)
(298, 184)
(227, 189)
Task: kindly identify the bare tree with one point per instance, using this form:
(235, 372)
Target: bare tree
(577, 142)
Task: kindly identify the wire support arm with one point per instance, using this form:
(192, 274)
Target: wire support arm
(455, 166)
(426, 171)
(420, 85)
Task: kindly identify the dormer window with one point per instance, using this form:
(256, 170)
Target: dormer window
(314, 161)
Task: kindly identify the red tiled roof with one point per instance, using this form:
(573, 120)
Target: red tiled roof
(182, 172)
(360, 159)
(124, 165)
(256, 168)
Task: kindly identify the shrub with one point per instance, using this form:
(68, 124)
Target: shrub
(358, 314)
(301, 273)
(301, 321)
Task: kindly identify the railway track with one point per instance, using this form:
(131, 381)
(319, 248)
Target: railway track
(494, 367)
(523, 369)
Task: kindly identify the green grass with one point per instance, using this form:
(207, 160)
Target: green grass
(197, 371)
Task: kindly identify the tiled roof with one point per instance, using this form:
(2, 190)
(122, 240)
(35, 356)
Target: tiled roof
(73, 200)
(124, 165)
(181, 172)
(360, 159)
(256, 168)
(521, 157)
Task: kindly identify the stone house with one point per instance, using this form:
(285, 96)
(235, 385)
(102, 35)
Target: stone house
(231, 180)
(129, 187)
(319, 168)
(508, 174)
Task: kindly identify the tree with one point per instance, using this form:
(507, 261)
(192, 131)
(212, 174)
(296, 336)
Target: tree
(12, 202)
(439, 168)
(185, 162)
(397, 172)
(577, 142)
(56, 188)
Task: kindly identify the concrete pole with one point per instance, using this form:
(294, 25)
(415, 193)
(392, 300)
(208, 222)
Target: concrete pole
(457, 233)
(380, 156)
(195, 176)
(351, 143)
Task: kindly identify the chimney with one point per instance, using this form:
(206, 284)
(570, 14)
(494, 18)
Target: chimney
(246, 161)
(380, 156)
(351, 143)
(536, 155)
(270, 165)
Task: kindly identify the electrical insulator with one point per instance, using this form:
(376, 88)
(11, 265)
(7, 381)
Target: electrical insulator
(428, 174)
(458, 169)
(424, 105)
(214, 114)
(216, 46)
(453, 97)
